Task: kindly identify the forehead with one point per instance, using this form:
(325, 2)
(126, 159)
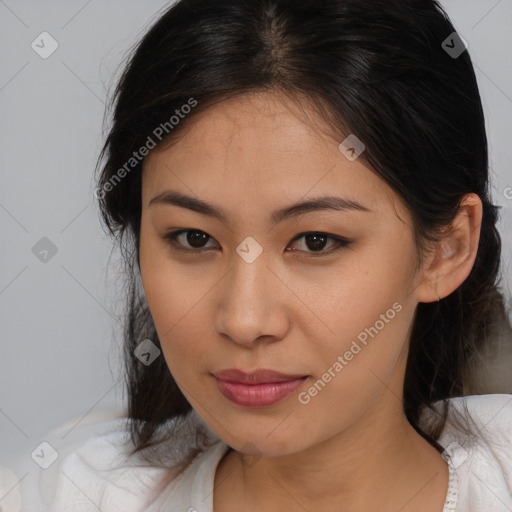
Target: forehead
(262, 147)
(270, 123)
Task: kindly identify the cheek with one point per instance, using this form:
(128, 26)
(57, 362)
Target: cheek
(180, 325)
(358, 293)
(176, 310)
(366, 336)
(168, 294)
(357, 366)
(368, 309)
(176, 299)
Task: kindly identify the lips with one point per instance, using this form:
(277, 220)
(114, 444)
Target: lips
(260, 388)
(255, 377)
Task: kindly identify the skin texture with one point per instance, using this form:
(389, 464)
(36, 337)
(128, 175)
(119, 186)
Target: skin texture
(350, 447)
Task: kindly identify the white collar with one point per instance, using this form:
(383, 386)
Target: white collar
(194, 490)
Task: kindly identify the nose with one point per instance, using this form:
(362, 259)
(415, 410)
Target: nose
(251, 304)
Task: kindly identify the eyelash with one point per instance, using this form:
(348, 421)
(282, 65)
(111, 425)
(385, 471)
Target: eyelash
(341, 242)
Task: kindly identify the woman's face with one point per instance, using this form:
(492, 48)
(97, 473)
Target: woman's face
(248, 290)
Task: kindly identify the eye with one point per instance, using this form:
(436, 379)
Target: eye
(314, 241)
(194, 237)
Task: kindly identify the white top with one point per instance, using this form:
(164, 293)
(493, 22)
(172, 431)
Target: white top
(97, 473)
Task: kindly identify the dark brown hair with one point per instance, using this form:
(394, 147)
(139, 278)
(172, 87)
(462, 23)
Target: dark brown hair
(375, 69)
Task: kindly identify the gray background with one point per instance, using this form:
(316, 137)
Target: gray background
(59, 320)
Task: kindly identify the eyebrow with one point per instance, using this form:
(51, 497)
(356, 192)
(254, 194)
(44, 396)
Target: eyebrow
(312, 205)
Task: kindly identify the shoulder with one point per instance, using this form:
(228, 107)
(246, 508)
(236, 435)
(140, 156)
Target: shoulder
(481, 451)
(487, 421)
(95, 469)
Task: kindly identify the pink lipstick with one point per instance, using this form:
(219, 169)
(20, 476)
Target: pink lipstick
(259, 388)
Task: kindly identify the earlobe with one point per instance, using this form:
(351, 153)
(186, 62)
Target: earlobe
(451, 262)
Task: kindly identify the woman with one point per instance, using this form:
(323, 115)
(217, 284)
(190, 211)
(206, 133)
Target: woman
(301, 193)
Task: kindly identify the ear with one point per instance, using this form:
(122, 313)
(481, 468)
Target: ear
(448, 266)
